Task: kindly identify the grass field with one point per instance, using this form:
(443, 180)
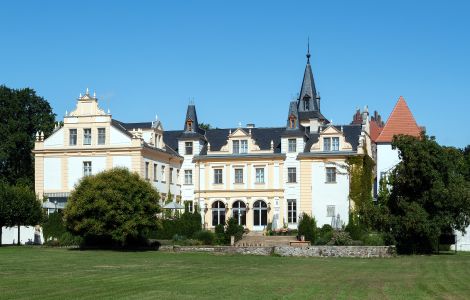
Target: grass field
(46, 273)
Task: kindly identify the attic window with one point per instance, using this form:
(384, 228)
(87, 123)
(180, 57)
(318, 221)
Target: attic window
(292, 121)
(189, 125)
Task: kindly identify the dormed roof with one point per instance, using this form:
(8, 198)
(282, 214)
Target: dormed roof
(400, 121)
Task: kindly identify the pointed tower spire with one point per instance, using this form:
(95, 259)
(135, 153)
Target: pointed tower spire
(308, 98)
(191, 124)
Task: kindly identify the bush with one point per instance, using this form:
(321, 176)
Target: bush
(220, 234)
(340, 238)
(68, 239)
(233, 228)
(187, 224)
(205, 236)
(373, 239)
(53, 226)
(114, 207)
(308, 228)
(355, 230)
(325, 235)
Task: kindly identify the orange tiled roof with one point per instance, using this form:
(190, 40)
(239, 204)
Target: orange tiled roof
(401, 121)
(375, 130)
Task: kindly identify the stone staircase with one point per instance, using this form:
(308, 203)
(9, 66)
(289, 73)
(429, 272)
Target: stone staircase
(254, 239)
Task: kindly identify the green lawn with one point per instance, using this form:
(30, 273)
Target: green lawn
(43, 273)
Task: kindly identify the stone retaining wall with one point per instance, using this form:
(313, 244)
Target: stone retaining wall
(309, 251)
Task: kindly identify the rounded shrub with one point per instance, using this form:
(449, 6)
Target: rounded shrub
(308, 228)
(205, 236)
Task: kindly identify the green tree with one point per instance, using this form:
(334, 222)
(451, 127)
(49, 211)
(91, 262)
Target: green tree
(205, 126)
(25, 207)
(308, 228)
(23, 113)
(427, 196)
(114, 206)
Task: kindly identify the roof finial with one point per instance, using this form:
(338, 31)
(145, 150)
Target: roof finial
(308, 50)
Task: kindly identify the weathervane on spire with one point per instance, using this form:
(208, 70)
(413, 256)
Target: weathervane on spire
(308, 50)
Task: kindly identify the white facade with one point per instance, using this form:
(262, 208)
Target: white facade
(387, 159)
(329, 199)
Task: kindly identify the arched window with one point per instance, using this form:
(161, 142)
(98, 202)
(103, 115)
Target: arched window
(239, 212)
(189, 125)
(218, 213)
(260, 213)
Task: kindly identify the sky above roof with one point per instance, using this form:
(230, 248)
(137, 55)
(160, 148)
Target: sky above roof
(243, 61)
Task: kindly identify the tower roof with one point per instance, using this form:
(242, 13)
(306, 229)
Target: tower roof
(191, 125)
(308, 103)
(400, 121)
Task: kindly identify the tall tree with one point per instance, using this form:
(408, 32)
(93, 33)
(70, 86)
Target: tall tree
(22, 114)
(428, 195)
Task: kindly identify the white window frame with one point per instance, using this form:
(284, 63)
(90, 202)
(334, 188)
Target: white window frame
(74, 135)
(218, 176)
(237, 177)
(292, 145)
(188, 145)
(155, 173)
(86, 136)
(327, 144)
(101, 136)
(87, 168)
(290, 173)
(188, 176)
(330, 174)
(335, 144)
(291, 211)
(259, 172)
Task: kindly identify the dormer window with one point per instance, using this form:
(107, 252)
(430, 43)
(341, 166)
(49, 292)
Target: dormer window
(240, 146)
(331, 144)
(189, 125)
(292, 121)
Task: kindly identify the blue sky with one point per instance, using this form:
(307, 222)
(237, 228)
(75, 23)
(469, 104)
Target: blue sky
(243, 61)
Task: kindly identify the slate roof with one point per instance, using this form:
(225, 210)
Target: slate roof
(401, 121)
(126, 127)
(351, 135)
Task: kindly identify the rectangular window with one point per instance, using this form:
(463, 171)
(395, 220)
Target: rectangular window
(331, 175)
(291, 211)
(188, 146)
(162, 177)
(171, 175)
(327, 144)
(101, 136)
(292, 143)
(335, 144)
(330, 211)
(177, 176)
(218, 176)
(291, 175)
(87, 136)
(147, 170)
(72, 137)
(236, 147)
(259, 175)
(188, 176)
(86, 168)
(238, 175)
(243, 146)
(155, 174)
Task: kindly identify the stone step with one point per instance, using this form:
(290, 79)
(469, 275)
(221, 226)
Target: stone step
(264, 241)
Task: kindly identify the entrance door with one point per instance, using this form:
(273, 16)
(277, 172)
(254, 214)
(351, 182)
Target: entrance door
(260, 215)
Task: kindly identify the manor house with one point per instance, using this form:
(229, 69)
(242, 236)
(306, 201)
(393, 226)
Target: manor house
(258, 175)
